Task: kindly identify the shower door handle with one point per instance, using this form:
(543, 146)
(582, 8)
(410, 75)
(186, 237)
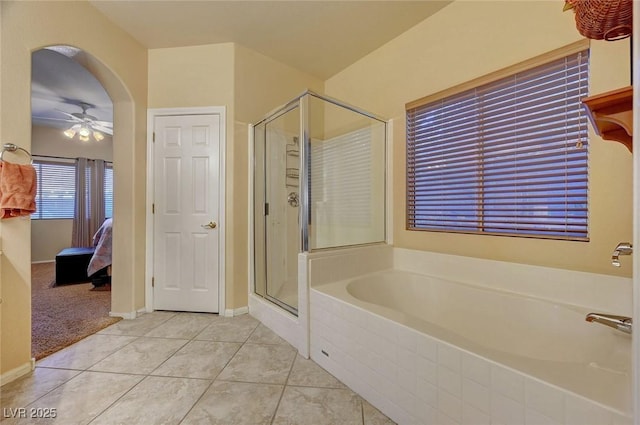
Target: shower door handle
(292, 199)
(209, 225)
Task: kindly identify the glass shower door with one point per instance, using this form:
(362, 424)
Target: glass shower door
(278, 232)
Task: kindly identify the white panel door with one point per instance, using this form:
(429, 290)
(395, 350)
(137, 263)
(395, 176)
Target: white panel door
(186, 193)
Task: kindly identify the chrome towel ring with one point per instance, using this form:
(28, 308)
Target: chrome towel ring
(11, 147)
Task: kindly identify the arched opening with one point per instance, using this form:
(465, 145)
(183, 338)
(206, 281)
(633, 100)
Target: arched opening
(120, 65)
(71, 243)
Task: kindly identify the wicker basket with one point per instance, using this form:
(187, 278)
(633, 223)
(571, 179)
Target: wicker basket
(603, 19)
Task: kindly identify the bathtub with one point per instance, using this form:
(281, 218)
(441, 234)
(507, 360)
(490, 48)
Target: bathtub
(429, 350)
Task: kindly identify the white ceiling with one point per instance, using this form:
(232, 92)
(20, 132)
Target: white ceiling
(59, 83)
(318, 37)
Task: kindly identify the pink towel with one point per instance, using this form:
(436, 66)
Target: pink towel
(17, 190)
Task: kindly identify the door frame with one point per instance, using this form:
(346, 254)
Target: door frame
(152, 114)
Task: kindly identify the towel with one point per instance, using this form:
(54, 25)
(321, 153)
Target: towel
(17, 190)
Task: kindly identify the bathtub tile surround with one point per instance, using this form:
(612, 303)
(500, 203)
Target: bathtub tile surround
(416, 378)
(195, 393)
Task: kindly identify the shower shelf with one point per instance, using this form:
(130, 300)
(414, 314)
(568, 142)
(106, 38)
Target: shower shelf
(293, 173)
(293, 152)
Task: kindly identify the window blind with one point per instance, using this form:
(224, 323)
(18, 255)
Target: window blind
(56, 190)
(508, 157)
(340, 176)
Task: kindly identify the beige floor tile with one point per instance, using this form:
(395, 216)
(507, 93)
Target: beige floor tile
(229, 329)
(260, 363)
(31, 387)
(316, 406)
(158, 400)
(255, 371)
(80, 400)
(183, 326)
(235, 403)
(141, 356)
(264, 335)
(139, 326)
(307, 373)
(373, 416)
(199, 359)
(84, 354)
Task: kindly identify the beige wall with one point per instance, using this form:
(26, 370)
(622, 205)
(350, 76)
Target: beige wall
(51, 141)
(249, 85)
(48, 237)
(194, 77)
(261, 85)
(468, 39)
(120, 64)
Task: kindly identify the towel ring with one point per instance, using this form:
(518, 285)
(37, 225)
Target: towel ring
(12, 147)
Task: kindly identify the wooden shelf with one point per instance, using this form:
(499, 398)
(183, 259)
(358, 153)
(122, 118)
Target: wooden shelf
(611, 114)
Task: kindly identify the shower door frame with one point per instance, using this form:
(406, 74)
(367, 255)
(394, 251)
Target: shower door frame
(302, 103)
(272, 116)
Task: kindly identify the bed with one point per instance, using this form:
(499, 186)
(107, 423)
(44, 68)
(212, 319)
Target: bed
(102, 240)
(83, 264)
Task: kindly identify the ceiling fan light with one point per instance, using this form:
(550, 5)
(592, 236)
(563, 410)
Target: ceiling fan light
(84, 132)
(98, 136)
(83, 138)
(69, 133)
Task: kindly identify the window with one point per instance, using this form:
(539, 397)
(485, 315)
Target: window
(503, 156)
(56, 193)
(108, 190)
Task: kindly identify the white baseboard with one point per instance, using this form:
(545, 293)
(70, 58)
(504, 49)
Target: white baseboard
(230, 312)
(13, 374)
(44, 261)
(130, 315)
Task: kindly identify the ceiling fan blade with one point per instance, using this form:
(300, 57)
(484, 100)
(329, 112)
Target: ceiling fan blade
(102, 129)
(73, 117)
(107, 124)
(53, 119)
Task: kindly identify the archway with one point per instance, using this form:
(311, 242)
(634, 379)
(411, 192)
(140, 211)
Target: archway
(72, 118)
(120, 64)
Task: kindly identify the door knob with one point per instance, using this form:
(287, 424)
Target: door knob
(210, 225)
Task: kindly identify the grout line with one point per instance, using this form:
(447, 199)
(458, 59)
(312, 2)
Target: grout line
(240, 345)
(284, 388)
(118, 399)
(214, 379)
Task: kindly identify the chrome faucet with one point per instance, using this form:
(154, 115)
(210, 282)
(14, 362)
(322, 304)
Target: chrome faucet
(620, 323)
(623, 248)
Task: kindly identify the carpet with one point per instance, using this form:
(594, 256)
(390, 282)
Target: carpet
(62, 315)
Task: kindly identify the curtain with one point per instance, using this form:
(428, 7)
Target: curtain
(89, 201)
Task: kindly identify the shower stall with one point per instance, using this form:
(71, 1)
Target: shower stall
(318, 182)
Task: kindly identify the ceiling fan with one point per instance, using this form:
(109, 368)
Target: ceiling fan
(84, 124)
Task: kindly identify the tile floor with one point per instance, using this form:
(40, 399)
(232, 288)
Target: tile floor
(183, 368)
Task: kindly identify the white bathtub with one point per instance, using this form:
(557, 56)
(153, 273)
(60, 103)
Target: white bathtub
(533, 341)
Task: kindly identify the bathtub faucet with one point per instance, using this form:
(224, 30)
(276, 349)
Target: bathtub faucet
(620, 323)
(623, 248)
